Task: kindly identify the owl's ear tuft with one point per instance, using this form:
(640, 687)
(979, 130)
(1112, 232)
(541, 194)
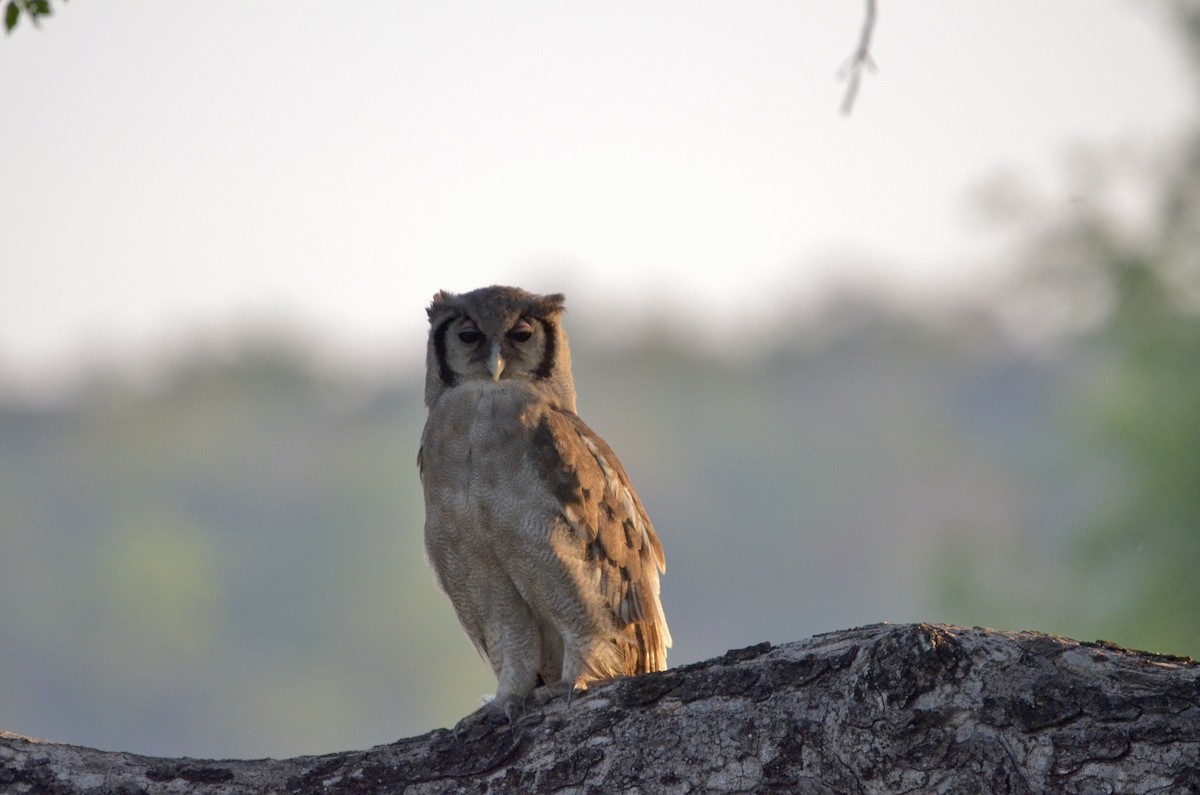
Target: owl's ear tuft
(440, 299)
(551, 304)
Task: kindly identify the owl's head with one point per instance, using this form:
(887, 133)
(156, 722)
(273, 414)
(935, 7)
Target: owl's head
(497, 333)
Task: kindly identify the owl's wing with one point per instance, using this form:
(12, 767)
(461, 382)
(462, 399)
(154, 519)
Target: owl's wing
(617, 542)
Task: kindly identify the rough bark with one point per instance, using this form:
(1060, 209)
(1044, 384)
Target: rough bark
(879, 709)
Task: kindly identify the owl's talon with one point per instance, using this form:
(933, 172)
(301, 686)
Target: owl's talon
(481, 722)
(547, 693)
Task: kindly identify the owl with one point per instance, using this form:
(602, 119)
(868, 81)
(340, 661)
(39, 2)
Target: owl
(532, 527)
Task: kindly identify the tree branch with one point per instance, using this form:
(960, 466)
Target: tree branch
(879, 709)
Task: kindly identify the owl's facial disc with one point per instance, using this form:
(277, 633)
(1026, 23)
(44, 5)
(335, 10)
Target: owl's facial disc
(498, 348)
(520, 333)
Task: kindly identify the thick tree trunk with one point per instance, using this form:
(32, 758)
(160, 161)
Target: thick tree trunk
(880, 709)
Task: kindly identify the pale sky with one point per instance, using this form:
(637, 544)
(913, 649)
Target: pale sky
(178, 167)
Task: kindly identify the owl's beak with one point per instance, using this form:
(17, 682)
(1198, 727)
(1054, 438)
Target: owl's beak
(495, 362)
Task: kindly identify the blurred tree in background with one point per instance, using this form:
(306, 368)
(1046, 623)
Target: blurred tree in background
(1149, 405)
(1126, 294)
(1147, 408)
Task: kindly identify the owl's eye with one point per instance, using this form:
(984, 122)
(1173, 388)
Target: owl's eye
(469, 333)
(521, 332)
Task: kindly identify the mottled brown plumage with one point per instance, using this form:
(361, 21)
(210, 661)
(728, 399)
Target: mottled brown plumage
(532, 527)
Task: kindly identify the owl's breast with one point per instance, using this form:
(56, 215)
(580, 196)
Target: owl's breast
(474, 455)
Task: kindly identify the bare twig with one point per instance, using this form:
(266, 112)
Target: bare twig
(858, 61)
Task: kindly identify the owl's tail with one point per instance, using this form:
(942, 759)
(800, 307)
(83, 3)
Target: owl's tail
(639, 648)
(648, 652)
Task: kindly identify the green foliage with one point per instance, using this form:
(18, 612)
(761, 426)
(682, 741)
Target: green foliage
(1131, 295)
(1147, 410)
(1136, 407)
(34, 9)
